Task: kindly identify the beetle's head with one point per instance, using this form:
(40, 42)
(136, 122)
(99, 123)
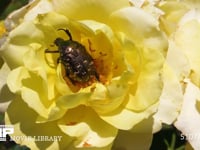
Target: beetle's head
(58, 41)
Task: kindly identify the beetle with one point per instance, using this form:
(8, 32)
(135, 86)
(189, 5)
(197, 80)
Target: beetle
(78, 65)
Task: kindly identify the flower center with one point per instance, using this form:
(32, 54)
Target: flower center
(80, 68)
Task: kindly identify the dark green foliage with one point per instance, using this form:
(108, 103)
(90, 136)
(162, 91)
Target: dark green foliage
(7, 6)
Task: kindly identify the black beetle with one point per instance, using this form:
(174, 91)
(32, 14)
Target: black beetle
(78, 64)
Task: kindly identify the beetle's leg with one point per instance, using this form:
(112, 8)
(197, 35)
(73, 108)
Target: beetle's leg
(49, 51)
(58, 60)
(97, 76)
(68, 73)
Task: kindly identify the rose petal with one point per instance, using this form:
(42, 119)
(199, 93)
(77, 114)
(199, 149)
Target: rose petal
(187, 39)
(144, 31)
(82, 122)
(149, 83)
(171, 98)
(81, 10)
(32, 91)
(25, 128)
(19, 40)
(114, 94)
(5, 95)
(173, 10)
(125, 119)
(189, 119)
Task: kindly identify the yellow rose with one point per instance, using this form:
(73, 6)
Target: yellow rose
(181, 87)
(128, 51)
(5, 95)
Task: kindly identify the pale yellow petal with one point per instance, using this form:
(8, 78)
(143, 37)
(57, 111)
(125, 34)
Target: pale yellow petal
(149, 83)
(27, 131)
(32, 89)
(189, 119)
(18, 41)
(139, 26)
(126, 119)
(92, 10)
(90, 131)
(171, 98)
(187, 39)
(5, 94)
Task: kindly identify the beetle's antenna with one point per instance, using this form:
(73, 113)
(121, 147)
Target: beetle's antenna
(67, 32)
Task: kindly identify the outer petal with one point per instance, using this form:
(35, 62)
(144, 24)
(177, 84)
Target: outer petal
(171, 98)
(149, 78)
(5, 95)
(175, 69)
(173, 11)
(82, 10)
(19, 40)
(26, 131)
(139, 26)
(67, 102)
(187, 38)
(41, 7)
(126, 119)
(33, 92)
(82, 122)
(28, 12)
(181, 62)
(189, 119)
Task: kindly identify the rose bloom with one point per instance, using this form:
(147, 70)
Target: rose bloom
(116, 110)
(181, 87)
